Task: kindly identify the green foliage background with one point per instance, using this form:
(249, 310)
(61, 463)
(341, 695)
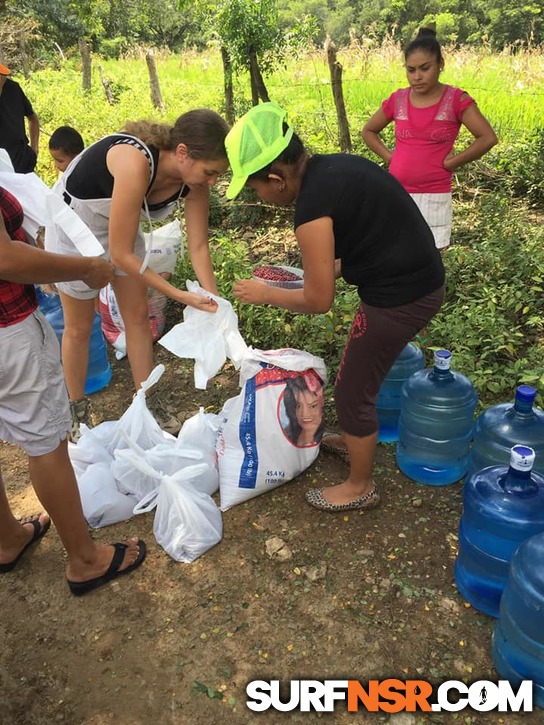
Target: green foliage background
(113, 26)
(493, 318)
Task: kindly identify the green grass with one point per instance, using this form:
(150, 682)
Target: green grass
(493, 318)
(508, 89)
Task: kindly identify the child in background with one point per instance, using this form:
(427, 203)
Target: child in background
(64, 145)
(428, 116)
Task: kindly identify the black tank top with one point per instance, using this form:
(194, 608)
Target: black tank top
(90, 179)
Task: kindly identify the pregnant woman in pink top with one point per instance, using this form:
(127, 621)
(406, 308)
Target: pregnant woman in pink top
(428, 116)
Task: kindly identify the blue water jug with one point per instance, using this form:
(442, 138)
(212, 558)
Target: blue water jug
(435, 423)
(501, 426)
(99, 369)
(408, 362)
(517, 644)
(502, 506)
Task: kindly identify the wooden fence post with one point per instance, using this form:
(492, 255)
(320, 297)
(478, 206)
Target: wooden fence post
(335, 69)
(156, 98)
(229, 91)
(23, 54)
(258, 87)
(85, 51)
(107, 87)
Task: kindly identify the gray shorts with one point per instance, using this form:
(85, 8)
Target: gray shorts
(34, 408)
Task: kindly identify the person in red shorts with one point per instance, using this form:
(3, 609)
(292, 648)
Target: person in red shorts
(34, 409)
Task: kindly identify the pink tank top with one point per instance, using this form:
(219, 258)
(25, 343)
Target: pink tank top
(423, 138)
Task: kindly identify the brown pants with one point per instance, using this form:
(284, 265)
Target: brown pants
(377, 337)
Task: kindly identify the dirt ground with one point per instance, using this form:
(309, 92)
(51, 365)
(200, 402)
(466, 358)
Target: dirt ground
(364, 596)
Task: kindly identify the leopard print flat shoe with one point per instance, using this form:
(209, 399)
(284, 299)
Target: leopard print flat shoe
(314, 496)
(335, 450)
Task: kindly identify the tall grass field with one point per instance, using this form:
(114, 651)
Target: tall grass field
(507, 87)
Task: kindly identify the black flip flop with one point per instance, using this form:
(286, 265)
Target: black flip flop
(39, 531)
(80, 588)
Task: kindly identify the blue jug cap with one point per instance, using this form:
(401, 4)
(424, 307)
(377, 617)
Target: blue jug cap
(522, 458)
(525, 394)
(442, 359)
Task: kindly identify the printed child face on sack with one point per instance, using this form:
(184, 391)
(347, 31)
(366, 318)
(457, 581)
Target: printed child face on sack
(301, 410)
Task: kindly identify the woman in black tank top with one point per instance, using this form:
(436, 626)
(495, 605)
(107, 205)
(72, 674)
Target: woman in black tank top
(143, 170)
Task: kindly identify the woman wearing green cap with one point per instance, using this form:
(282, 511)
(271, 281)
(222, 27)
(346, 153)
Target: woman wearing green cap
(352, 219)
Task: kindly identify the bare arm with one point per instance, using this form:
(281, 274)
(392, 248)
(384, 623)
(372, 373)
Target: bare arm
(130, 171)
(20, 262)
(371, 135)
(484, 139)
(197, 208)
(34, 132)
(316, 242)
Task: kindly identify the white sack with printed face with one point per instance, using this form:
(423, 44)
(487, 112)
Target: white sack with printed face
(272, 430)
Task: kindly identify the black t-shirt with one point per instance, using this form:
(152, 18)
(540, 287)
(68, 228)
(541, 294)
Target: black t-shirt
(386, 246)
(91, 179)
(14, 106)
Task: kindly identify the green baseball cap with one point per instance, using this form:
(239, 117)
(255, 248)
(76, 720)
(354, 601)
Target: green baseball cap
(255, 141)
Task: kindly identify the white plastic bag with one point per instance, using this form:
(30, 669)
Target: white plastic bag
(137, 424)
(138, 472)
(43, 208)
(207, 337)
(270, 432)
(102, 502)
(200, 431)
(169, 460)
(133, 475)
(187, 522)
(167, 244)
(137, 428)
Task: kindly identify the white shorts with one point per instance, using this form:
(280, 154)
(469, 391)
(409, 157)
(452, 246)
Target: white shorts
(437, 210)
(95, 214)
(34, 407)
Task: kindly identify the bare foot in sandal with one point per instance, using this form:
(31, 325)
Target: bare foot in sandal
(112, 561)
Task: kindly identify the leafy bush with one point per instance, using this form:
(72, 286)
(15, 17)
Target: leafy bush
(493, 316)
(521, 166)
(113, 47)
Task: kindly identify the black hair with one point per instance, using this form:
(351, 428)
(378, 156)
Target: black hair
(290, 156)
(425, 40)
(66, 138)
(293, 386)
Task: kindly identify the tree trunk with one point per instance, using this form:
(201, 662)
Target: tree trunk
(258, 88)
(85, 51)
(229, 92)
(23, 54)
(107, 87)
(335, 69)
(156, 98)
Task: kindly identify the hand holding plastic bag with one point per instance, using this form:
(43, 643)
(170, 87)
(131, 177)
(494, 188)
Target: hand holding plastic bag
(208, 338)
